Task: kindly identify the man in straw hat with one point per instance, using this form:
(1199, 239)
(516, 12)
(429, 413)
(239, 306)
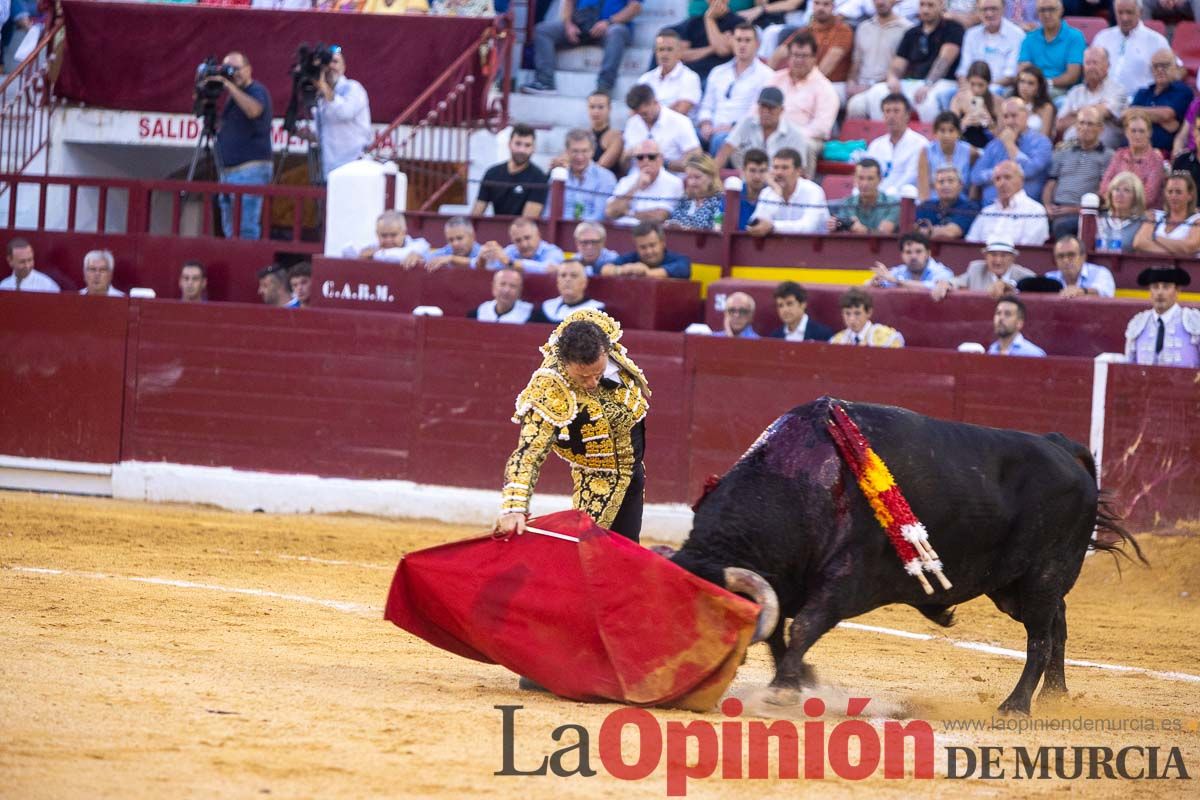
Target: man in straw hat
(1166, 334)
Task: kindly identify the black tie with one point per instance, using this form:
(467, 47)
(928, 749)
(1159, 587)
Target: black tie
(1158, 340)
(856, 338)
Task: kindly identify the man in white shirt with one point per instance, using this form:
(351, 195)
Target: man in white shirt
(506, 305)
(24, 277)
(676, 138)
(1015, 215)
(875, 40)
(98, 274)
(343, 116)
(393, 244)
(898, 150)
(996, 41)
(1130, 45)
(675, 84)
(648, 193)
(1100, 91)
(572, 282)
(792, 203)
(732, 88)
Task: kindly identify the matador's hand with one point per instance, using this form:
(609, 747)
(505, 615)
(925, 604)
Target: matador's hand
(510, 523)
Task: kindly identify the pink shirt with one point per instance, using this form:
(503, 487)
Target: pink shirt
(810, 105)
(1149, 167)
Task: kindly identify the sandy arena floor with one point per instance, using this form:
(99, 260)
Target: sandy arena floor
(255, 663)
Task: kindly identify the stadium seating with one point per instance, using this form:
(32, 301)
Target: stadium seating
(1090, 26)
(837, 187)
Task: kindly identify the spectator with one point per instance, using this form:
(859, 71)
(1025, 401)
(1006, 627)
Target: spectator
(651, 259)
(791, 203)
(1139, 158)
(1166, 334)
(810, 102)
(756, 166)
(379, 6)
(675, 85)
(869, 210)
(706, 32)
(506, 304)
(918, 268)
(571, 280)
(24, 277)
(589, 247)
(1174, 231)
(835, 42)
(589, 185)
(920, 70)
(1100, 91)
(1055, 48)
(732, 88)
(996, 41)
(948, 148)
(583, 22)
(1183, 152)
(648, 192)
(273, 287)
(1079, 277)
(1023, 13)
(527, 253)
(1130, 46)
(739, 316)
(671, 131)
(1075, 170)
(98, 274)
(1014, 214)
(1014, 142)
(515, 187)
(875, 40)
(703, 205)
(947, 215)
(860, 331)
(791, 304)
(606, 140)
(767, 130)
(1125, 210)
(461, 250)
(300, 282)
(1007, 322)
(977, 108)
(996, 273)
(899, 149)
(193, 282)
(1165, 101)
(343, 115)
(244, 145)
(1034, 91)
(394, 244)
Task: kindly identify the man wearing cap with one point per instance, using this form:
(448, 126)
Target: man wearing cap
(1015, 216)
(1167, 334)
(1007, 321)
(996, 273)
(766, 130)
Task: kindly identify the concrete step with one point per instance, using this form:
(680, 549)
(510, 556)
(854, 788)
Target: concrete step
(557, 111)
(587, 59)
(581, 84)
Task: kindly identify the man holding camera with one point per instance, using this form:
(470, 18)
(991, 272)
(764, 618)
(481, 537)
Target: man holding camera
(343, 115)
(243, 143)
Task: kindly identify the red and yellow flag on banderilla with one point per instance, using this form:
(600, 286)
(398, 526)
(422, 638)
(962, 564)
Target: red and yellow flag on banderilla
(908, 536)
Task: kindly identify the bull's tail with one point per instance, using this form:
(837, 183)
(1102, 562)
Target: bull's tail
(1111, 535)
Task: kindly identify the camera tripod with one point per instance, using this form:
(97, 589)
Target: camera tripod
(206, 144)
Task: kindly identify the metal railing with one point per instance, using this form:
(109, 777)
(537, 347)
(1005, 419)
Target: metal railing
(431, 139)
(26, 104)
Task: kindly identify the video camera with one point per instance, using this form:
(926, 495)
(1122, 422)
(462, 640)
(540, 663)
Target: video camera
(208, 91)
(310, 63)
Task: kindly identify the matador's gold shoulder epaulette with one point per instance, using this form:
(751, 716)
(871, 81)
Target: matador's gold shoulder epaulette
(550, 396)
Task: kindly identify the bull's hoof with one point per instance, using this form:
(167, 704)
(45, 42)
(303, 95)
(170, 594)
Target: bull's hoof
(1051, 692)
(782, 696)
(1011, 708)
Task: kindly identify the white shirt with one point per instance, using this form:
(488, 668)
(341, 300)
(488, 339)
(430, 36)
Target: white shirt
(681, 83)
(394, 254)
(664, 193)
(874, 45)
(672, 131)
(112, 291)
(556, 309)
(796, 335)
(1026, 225)
(999, 50)
(1111, 94)
(806, 211)
(34, 282)
(730, 96)
(518, 314)
(1129, 56)
(898, 162)
(344, 125)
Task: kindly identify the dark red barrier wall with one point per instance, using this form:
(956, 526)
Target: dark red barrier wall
(62, 368)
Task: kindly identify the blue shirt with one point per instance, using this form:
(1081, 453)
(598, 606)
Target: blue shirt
(606, 257)
(447, 250)
(587, 195)
(1177, 96)
(607, 7)
(745, 210)
(747, 333)
(1091, 276)
(1034, 154)
(961, 159)
(1053, 57)
(962, 213)
(1020, 347)
(677, 265)
(242, 139)
(545, 255)
(934, 271)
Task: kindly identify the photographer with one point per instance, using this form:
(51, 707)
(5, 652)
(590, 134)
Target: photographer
(343, 115)
(243, 143)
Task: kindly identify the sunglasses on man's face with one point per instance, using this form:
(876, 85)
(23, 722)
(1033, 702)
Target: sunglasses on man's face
(647, 157)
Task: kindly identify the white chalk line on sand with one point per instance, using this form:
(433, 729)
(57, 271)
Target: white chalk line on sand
(364, 609)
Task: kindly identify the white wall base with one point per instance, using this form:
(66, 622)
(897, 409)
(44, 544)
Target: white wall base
(46, 474)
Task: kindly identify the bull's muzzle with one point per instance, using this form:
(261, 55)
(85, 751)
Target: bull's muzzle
(751, 584)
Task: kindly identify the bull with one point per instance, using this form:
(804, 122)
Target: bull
(1011, 515)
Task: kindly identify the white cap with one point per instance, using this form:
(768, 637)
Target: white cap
(1000, 244)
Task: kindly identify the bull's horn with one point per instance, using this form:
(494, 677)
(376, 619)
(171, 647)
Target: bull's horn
(750, 583)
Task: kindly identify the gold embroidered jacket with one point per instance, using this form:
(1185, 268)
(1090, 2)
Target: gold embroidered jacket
(591, 432)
